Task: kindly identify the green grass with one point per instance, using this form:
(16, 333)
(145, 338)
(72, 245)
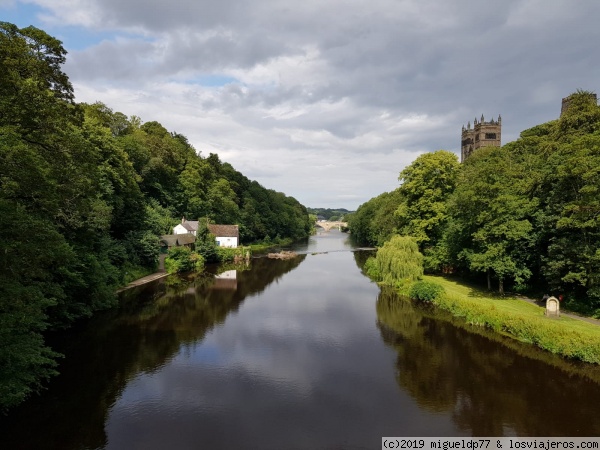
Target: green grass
(519, 319)
(263, 247)
(132, 273)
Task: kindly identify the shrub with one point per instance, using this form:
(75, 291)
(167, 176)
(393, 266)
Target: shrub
(425, 291)
(371, 269)
(208, 250)
(182, 259)
(226, 254)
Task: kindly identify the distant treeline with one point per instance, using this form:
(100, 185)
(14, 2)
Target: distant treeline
(85, 192)
(329, 214)
(525, 216)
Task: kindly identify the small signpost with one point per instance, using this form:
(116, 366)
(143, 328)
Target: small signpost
(552, 307)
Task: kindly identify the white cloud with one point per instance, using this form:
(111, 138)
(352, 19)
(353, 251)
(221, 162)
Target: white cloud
(292, 92)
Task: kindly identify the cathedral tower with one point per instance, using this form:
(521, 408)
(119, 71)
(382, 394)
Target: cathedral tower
(483, 134)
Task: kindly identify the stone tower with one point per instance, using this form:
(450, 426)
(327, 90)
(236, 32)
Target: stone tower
(483, 134)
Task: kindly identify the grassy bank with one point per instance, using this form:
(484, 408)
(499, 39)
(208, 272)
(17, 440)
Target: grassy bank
(518, 319)
(133, 272)
(264, 247)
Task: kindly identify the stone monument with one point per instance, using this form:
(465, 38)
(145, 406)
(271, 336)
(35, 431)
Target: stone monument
(552, 307)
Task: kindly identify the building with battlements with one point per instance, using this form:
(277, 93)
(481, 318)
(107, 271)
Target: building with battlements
(483, 134)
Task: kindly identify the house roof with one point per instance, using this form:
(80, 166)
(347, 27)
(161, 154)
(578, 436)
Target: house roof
(185, 239)
(173, 240)
(190, 225)
(224, 230)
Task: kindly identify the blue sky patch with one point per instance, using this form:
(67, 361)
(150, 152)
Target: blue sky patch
(21, 14)
(213, 80)
(73, 37)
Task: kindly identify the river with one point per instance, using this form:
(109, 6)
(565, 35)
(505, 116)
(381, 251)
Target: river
(306, 353)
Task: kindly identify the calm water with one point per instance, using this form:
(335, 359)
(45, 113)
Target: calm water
(299, 354)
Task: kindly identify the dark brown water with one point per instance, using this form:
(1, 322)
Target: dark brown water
(298, 354)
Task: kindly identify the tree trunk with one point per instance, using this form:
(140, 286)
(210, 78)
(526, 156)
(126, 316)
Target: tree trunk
(501, 286)
(489, 280)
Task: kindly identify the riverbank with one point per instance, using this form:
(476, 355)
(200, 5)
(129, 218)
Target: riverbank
(144, 280)
(566, 336)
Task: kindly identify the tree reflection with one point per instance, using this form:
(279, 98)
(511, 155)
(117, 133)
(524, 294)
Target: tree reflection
(151, 325)
(492, 386)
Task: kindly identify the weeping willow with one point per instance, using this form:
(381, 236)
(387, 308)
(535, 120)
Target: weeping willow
(399, 261)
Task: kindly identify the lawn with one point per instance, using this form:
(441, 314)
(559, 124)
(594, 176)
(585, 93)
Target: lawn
(521, 320)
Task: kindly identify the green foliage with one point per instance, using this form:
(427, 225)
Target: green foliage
(158, 219)
(35, 95)
(182, 259)
(425, 291)
(148, 249)
(31, 282)
(209, 252)
(133, 272)
(374, 221)
(490, 228)
(557, 336)
(417, 208)
(233, 254)
(522, 215)
(330, 214)
(206, 244)
(398, 261)
(95, 189)
(426, 184)
(372, 269)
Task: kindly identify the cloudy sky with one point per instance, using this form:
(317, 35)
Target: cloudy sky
(326, 101)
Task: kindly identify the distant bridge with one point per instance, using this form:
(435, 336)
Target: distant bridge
(326, 225)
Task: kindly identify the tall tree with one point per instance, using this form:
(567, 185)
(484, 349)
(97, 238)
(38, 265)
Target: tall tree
(493, 212)
(426, 185)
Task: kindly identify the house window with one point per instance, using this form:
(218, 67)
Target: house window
(490, 135)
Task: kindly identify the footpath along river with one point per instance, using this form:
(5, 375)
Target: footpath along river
(305, 353)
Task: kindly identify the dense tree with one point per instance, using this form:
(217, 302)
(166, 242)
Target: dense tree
(33, 266)
(426, 185)
(36, 97)
(330, 214)
(85, 193)
(525, 214)
(374, 222)
(417, 208)
(568, 186)
(492, 217)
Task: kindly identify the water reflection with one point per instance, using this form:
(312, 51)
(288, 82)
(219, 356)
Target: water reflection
(299, 366)
(106, 353)
(492, 386)
(303, 353)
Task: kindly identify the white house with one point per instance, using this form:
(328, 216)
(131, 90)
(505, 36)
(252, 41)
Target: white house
(226, 235)
(186, 226)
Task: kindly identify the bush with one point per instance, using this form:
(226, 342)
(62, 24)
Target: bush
(425, 291)
(226, 254)
(208, 251)
(371, 269)
(182, 259)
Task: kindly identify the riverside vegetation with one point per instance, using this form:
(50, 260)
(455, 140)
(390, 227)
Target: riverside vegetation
(397, 263)
(85, 192)
(525, 216)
